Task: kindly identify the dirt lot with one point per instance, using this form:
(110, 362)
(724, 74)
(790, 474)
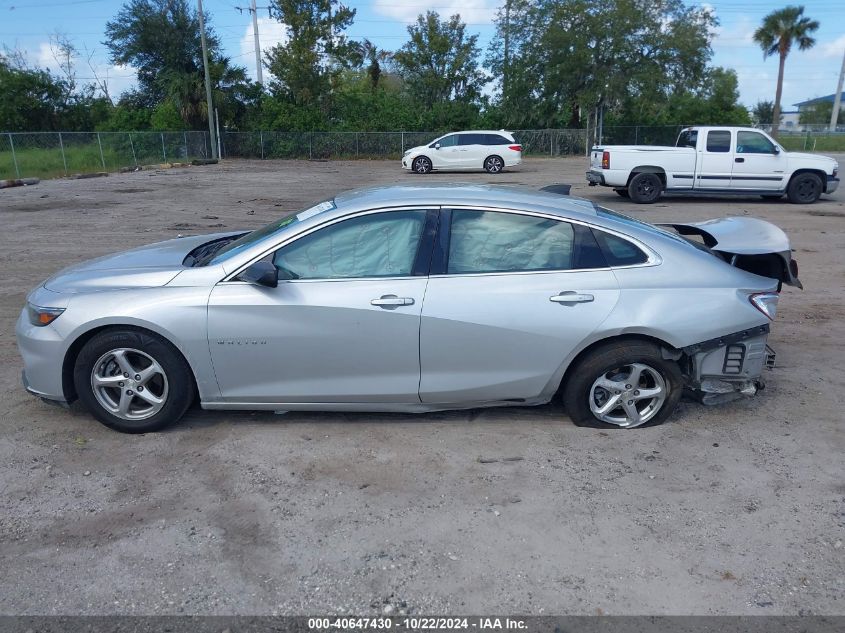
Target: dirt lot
(736, 509)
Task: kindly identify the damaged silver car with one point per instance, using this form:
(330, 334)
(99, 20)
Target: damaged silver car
(415, 299)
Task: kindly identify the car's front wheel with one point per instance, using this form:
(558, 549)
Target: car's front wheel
(421, 165)
(133, 381)
(804, 189)
(625, 384)
(494, 164)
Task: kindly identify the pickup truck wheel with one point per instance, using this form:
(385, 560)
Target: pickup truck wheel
(623, 192)
(804, 189)
(645, 188)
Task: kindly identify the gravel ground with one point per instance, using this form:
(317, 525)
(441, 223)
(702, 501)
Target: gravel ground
(735, 509)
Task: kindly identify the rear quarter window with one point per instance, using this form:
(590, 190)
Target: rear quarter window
(618, 251)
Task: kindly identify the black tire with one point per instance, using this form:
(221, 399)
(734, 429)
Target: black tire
(421, 165)
(645, 188)
(804, 188)
(772, 196)
(175, 384)
(623, 192)
(613, 357)
(494, 165)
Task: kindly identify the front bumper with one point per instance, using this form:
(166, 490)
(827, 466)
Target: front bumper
(832, 184)
(42, 350)
(729, 367)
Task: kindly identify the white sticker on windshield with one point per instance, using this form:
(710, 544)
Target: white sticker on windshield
(319, 208)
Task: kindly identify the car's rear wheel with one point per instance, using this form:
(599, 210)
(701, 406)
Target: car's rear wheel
(645, 188)
(133, 381)
(623, 192)
(625, 385)
(494, 164)
(804, 189)
(421, 165)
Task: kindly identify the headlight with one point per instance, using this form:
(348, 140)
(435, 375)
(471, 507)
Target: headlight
(765, 302)
(40, 316)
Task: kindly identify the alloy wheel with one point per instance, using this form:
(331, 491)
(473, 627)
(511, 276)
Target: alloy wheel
(628, 396)
(129, 384)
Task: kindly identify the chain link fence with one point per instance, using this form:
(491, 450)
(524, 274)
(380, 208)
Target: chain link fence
(57, 154)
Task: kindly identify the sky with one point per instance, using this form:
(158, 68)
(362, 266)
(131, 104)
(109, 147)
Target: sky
(26, 25)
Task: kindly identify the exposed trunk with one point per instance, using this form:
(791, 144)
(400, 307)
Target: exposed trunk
(778, 93)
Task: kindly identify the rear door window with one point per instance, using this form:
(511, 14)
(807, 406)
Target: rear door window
(471, 139)
(500, 242)
(718, 141)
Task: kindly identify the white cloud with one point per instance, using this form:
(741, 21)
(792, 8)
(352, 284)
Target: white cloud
(831, 50)
(270, 33)
(471, 11)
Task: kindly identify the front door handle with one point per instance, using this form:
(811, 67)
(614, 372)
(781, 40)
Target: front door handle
(739, 160)
(392, 301)
(570, 296)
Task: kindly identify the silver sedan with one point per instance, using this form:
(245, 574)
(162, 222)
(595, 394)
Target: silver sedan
(414, 299)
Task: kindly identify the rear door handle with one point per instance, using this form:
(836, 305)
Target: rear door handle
(392, 300)
(739, 160)
(570, 296)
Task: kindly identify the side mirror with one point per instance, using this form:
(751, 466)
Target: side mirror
(776, 150)
(261, 273)
(437, 146)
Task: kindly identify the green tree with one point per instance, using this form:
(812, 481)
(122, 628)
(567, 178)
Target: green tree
(161, 40)
(779, 32)
(568, 57)
(763, 113)
(440, 62)
(31, 98)
(306, 66)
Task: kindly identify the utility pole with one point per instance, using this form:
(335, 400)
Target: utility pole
(506, 69)
(837, 99)
(214, 153)
(259, 71)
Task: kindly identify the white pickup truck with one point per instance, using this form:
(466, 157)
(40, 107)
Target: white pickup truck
(713, 160)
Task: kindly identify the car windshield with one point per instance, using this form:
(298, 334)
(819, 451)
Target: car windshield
(245, 241)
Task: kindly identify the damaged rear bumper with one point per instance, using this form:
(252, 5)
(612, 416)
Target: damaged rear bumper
(728, 367)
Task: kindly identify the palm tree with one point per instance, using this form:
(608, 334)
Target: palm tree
(779, 31)
(371, 53)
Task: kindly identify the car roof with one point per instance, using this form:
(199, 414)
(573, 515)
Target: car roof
(464, 194)
(477, 132)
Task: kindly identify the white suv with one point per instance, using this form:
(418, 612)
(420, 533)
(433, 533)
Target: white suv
(490, 150)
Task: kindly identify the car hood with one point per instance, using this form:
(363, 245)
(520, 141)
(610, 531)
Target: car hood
(145, 267)
(811, 157)
(744, 236)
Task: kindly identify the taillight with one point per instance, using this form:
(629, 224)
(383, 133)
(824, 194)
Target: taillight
(605, 160)
(765, 302)
(516, 148)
